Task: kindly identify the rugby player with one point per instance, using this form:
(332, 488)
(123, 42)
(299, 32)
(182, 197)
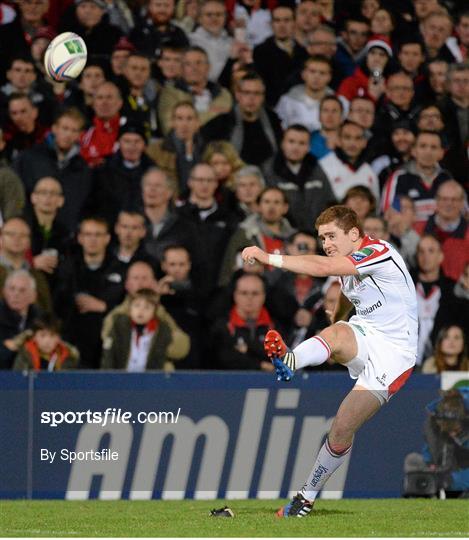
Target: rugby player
(378, 345)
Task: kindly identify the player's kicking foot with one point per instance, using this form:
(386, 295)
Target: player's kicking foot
(283, 360)
(297, 507)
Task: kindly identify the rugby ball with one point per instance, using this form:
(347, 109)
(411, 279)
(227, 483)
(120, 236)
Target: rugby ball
(65, 57)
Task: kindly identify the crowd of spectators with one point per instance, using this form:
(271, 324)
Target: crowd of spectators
(199, 127)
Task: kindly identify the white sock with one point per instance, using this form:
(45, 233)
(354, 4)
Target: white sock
(312, 352)
(326, 463)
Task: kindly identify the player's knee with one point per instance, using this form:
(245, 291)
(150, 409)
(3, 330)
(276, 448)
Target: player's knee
(337, 336)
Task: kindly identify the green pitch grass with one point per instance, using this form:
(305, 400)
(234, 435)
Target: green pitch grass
(380, 517)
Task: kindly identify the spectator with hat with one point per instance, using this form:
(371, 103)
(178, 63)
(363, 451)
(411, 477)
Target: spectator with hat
(368, 79)
(39, 44)
(396, 151)
(117, 181)
(122, 50)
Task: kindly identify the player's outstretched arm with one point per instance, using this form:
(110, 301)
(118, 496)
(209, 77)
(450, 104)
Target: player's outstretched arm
(314, 265)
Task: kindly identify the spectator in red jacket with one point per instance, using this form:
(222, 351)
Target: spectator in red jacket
(450, 227)
(98, 142)
(239, 336)
(367, 79)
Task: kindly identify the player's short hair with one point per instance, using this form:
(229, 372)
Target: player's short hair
(345, 218)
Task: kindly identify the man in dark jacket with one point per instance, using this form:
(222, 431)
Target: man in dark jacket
(239, 336)
(164, 226)
(117, 181)
(291, 170)
(17, 311)
(253, 129)
(157, 29)
(88, 19)
(89, 286)
(59, 157)
(288, 54)
(211, 226)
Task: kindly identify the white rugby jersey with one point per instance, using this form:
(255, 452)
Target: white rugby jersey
(383, 293)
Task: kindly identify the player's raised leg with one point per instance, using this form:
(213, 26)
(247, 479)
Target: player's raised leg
(337, 341)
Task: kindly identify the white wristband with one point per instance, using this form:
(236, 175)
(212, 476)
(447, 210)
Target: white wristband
(276, 260)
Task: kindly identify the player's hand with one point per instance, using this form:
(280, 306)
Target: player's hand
(254, 253)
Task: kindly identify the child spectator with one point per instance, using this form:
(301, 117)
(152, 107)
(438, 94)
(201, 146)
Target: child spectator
(139, 341)
(45, 350)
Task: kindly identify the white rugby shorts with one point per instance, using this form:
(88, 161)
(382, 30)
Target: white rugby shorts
(380, 366)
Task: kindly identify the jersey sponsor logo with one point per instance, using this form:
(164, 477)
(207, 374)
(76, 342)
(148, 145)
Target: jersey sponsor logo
(362, 254)
(368, 310)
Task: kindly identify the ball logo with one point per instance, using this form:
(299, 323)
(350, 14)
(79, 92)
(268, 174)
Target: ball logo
(74, 46)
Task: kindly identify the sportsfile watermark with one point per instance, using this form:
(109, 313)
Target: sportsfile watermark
(111, 415)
